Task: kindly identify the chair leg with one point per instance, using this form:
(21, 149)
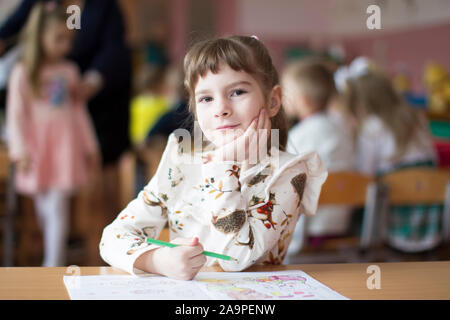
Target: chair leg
(304, 242)
(26, 233)
(368, 223)
(384, 210)
(8, 226)
(446, 216)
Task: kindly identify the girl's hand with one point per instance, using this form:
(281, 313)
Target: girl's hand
(182, 262)
(248, 147)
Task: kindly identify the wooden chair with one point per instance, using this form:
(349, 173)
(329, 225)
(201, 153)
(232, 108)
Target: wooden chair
(18, 223)
(354, 190)
(415, 186)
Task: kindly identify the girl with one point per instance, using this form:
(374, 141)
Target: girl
(50, 135)
(228, 200)
(391, 136)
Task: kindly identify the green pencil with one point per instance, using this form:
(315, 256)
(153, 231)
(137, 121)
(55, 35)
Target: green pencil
(172, 245)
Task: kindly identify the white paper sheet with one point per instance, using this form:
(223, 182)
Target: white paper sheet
(277, 285)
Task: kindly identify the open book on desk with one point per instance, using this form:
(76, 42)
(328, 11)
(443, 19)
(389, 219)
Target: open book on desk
(276, 285)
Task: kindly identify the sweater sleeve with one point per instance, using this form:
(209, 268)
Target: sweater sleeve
(17, 114)
(123, 241)
(255, 212)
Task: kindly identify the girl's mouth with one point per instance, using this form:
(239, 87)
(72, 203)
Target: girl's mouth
(227, 127)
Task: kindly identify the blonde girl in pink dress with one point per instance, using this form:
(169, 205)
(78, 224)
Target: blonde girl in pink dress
(50, 136)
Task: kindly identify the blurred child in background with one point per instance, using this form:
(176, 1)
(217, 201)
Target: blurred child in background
(178, 115)
(308, 90)
(155, 99)
(150, 103)
(392, 135)
(50, 135)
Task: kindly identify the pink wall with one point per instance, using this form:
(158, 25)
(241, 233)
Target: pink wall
(179, 25)
(408, 50)
(412, 48)
(226, 17)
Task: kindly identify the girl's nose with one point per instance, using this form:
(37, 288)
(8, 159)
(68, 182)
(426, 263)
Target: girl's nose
(222, 114)
(223, 109)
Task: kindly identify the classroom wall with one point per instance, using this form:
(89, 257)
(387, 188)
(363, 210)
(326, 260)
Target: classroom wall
(410, 49)
(291, 18)
(413, 32)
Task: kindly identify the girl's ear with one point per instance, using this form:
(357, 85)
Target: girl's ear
(274, 101)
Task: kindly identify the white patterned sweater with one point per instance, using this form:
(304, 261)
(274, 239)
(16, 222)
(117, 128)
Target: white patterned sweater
(249, 215)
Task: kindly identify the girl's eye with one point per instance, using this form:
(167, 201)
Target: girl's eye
(238, 92)
(205, 99)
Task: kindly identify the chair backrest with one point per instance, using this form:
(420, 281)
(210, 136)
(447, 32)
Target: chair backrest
(353, 189)
(345, 188)
(417, 186)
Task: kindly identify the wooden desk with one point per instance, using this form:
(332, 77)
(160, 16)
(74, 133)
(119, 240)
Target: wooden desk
(404, 280)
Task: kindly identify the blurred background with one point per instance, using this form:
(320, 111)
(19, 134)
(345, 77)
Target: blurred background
(411, 49)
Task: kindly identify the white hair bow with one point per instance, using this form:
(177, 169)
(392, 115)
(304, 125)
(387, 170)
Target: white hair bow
(357, 68)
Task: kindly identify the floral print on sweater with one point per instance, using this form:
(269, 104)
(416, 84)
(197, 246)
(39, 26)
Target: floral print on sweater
(249, 215)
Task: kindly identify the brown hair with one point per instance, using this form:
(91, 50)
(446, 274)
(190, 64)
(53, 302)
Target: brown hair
(150, 78)
(374, 94)
(32, 57)
(314, 79)
(239, 53)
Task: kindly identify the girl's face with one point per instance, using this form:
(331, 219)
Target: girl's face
(226, 103)
(56, 40)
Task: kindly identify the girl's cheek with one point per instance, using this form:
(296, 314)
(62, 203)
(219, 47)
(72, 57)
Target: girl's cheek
(203, 124)
(201, 112)
(200, 119)
(205, 117)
